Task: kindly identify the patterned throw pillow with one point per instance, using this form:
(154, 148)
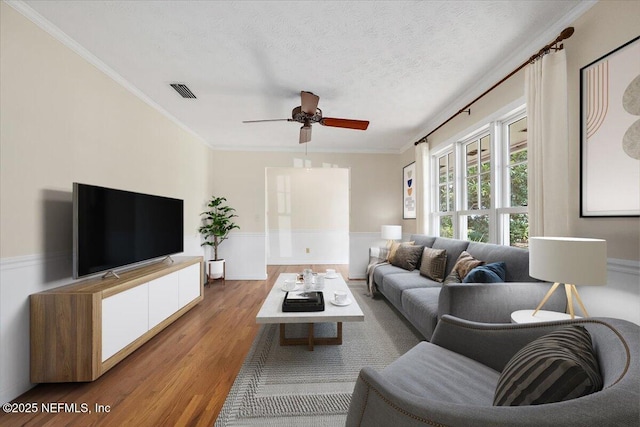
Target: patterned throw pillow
(407, 257)
(555, 367)
(433, 264)
(465, 264)
(394, 248)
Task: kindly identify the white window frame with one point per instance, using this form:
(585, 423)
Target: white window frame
(504, 209)
(435, 208)
(497, 128)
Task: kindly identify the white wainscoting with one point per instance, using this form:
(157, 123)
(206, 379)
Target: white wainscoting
(19, 278)
(289, 247)
(25, 275)
(245, 256)
(359, 252)
(620, 298)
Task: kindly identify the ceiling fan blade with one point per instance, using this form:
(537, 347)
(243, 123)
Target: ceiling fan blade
(305, 134)
(309, 102)
(267, 120)
(345, 123)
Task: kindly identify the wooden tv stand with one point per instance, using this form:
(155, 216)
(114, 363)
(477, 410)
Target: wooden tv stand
(80, 331)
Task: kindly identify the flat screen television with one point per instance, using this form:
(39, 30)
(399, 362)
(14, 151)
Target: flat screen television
(116, 228)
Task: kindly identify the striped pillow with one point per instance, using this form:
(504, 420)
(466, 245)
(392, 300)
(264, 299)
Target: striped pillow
(433, 264)
(555, 367)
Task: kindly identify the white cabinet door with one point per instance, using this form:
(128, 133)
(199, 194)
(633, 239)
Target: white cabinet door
(189, 284)
(163, 298)
(125, 317)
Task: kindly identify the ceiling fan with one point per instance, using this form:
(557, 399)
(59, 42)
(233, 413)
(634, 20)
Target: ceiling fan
(308, 113)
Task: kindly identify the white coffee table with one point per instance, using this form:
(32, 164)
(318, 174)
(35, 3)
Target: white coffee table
(271, 312)
(526, 316)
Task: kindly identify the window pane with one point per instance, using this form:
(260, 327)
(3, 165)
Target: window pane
(442, 169)
(451, 166)
(518, 141)
(442, 198)
(518, 178)
(485, 153)
(485, 191)
(446, 226)
(519, 230)
(518, 163)
(518, 156)
(451, 197)
(478, 228)
(472, 193)
(471, 159)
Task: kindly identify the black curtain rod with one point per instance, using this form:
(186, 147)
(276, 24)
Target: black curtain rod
(565, 34)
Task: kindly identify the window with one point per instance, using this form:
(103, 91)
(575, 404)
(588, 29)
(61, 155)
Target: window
(481, 190)
(446, 193)
(514, 217)
(474, 221)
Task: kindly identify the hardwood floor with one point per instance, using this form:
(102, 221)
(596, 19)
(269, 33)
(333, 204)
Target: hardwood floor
(181, 377)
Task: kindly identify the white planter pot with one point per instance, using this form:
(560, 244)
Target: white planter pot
(215, 269)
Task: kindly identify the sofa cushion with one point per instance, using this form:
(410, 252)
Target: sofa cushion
(423, 371)
(393, 285)
(422, 240)
(383, 270)
(394, 248)
(407, 257)
(555, 367)
(465, 263)
(421, 307)
(433, 264)
(489, 273)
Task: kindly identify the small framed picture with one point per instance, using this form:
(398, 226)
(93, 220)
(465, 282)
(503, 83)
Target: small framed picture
(409, 191)
(610, 134)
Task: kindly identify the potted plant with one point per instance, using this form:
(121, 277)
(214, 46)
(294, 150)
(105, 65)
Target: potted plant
(217, 222)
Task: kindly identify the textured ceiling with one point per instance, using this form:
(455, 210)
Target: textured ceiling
(402, 65)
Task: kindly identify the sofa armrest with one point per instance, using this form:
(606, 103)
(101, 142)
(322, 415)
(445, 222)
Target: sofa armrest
(494, 302)
(377, 402)
(492, 344)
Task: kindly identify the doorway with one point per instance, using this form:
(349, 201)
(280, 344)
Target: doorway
(307, 215)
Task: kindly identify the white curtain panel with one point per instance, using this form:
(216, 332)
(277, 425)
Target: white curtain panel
(546, 93)
(423, 200)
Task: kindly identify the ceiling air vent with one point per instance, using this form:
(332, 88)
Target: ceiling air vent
(183, 90)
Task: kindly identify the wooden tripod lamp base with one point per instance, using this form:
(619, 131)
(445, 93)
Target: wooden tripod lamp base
(571, 291)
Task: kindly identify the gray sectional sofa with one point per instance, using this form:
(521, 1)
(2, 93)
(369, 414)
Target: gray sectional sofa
(423, 301)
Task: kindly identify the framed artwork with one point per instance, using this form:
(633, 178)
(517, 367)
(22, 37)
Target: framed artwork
(610, 134)
(409, 191)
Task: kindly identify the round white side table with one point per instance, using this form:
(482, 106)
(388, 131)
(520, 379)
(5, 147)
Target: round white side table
(526, 316)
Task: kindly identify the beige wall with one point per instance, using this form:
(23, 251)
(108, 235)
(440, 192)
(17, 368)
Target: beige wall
(308, 199)
(63, 121)
(601, 29)
(375, 184)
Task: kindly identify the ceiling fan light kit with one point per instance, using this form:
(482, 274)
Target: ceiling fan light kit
(308, 113)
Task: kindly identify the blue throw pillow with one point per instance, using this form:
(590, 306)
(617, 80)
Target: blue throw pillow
(488, 273)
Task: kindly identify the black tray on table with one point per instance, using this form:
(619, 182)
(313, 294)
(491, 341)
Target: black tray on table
(303, 301)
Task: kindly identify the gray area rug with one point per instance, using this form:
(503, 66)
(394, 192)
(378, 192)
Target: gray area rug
(292, 386)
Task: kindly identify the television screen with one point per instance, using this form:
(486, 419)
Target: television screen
(114, 228)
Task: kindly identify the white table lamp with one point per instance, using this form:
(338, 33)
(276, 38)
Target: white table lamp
(391, 233)
(569, 260)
